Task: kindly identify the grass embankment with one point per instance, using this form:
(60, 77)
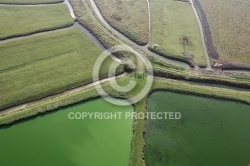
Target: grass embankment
(128, 17)
(42, 65)
(137, 140)
(27, 2)
(233, 79)
(229, 29)
(85, 19)
(175, 29)
(24, 20)
(107, 38)
(162, 70)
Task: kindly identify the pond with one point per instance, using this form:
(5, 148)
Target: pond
(210, 132)
(57, 139)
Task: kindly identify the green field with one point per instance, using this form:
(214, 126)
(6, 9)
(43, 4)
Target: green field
(175, 29)
(210, 132)
(56, 140)
(229, 25)
(42, 65)
(24, 20)
(128, 17)
(29, 1)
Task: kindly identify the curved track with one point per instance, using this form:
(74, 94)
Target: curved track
(202, 37)
(124, 38)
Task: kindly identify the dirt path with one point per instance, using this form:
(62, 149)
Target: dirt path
(202, 37)
(149, 24)
(124, 38)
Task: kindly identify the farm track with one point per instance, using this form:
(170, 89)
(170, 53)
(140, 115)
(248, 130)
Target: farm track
(149, 24)
(202, 37)
(207, 34)
(124, 38)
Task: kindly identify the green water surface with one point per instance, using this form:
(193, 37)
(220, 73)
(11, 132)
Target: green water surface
(55, 140)
(210, 133)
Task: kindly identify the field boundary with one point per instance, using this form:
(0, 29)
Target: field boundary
(44, 30)
(32, 4)
(18, 37)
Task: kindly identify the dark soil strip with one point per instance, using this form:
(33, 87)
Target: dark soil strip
(208, 38)
(233, 66)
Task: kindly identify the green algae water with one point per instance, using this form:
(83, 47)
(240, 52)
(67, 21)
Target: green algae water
(55, 140)
(210, 133)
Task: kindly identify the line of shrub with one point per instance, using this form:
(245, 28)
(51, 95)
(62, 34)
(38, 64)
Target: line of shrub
(202, 79)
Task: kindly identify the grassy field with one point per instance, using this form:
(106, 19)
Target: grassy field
(29, 1)
(128, 17)
(175, 29)
(229, 25)
(46, 64)
(23, 20)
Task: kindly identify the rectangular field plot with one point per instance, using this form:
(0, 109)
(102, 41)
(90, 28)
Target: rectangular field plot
(175, 29)
(42, 65)
(24, 20)
(229, 23)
